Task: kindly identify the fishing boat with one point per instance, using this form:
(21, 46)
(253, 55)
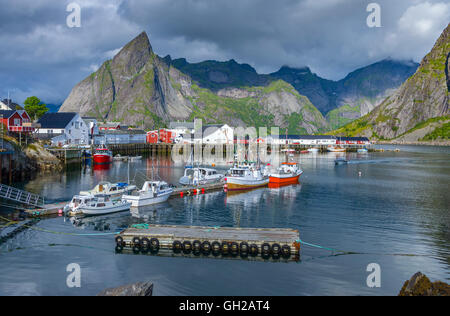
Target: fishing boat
(313, 150)
(245, 178)
(76, 202)
(112, 190)
(102, 155)
(102, 205)
(336, 149)
(137, 158)
(200, 176)
(152, 192)
(288, 172)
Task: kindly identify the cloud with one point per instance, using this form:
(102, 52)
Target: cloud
(40, 55)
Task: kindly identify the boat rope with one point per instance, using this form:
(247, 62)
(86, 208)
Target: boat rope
(325, 248)
(62, 233)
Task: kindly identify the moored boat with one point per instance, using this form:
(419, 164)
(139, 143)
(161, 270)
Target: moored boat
(199, 176)
(336, 149)
(102, 205)
(363, 150)
(76, 202)
(152, 192)
(102, 155)
(245, 178)
(313, 150)
(112, 190)
(287, 173)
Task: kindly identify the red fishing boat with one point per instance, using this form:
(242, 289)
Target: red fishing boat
(102, 155)
(288, 173)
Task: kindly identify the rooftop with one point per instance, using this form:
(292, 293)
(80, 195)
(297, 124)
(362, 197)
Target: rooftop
(56, 120)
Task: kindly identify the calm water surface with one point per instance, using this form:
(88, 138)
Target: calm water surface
(395, 214)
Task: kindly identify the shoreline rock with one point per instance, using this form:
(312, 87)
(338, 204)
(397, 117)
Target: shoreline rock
(136, 289)
(420, 285)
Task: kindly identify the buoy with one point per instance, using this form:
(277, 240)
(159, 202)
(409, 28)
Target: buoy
(360, 173)
(195, 192)
(181, 194)
(203, 190)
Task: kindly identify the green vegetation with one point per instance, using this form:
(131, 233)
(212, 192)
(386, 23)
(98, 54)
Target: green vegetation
(336, 119)
(35, 108)
(440, 133)
(424, 124)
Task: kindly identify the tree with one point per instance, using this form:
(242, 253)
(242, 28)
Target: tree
(35, 108)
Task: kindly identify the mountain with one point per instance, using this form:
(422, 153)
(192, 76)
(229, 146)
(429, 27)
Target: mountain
(354, 96)
(139, 88)
(419, 109)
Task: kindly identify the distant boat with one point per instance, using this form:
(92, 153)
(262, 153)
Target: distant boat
(136, 158)
(153, 192)
(341, 161)
(313, 150)
(337, 149)
(362, 150)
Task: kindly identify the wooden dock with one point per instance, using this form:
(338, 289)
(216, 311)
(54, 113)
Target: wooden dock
(178, 192)
(215, 242)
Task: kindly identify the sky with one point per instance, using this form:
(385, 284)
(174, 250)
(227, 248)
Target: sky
(41, 55)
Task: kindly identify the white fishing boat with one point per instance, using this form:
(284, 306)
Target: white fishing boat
(102, 205)
(112, 190)
(336, 149)
(153, 192)
(77, 201)
(245, 178)
(200, 176)
(136, 158)
(313, 150)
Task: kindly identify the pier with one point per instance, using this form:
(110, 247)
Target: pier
(214, 242)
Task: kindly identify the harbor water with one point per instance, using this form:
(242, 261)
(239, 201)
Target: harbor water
(389, 208)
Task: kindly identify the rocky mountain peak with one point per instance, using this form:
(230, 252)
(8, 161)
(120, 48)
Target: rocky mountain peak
(133, 56)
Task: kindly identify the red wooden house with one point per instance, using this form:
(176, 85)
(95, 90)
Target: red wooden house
(16, 121)
(152, 137)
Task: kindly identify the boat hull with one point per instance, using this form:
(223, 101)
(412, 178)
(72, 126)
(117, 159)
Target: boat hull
(284, 179)
(102, 159)
(108, 210)
(239, 184)
(146, 200)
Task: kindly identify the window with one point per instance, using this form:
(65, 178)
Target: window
(16, 122)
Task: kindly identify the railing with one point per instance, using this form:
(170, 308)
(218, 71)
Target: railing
(20, 196)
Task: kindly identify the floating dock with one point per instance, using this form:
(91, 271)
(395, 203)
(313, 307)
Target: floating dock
(56, 208)
(215, 242)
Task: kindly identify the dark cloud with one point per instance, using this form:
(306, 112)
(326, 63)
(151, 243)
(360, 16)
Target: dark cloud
(40, 55)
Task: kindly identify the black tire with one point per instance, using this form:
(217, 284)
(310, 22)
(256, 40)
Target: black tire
(154, 244)
(187, 246)
(206, 247)
(265, 249)
(177, 246)
(136, 242)
(119, 248)
(276, 249)
(197, 245)
(119, 241)
(286, 251)
(234, 249)
(243, 247)
(145, 243)
(136, 250)
(225, 248)
(253, 249)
